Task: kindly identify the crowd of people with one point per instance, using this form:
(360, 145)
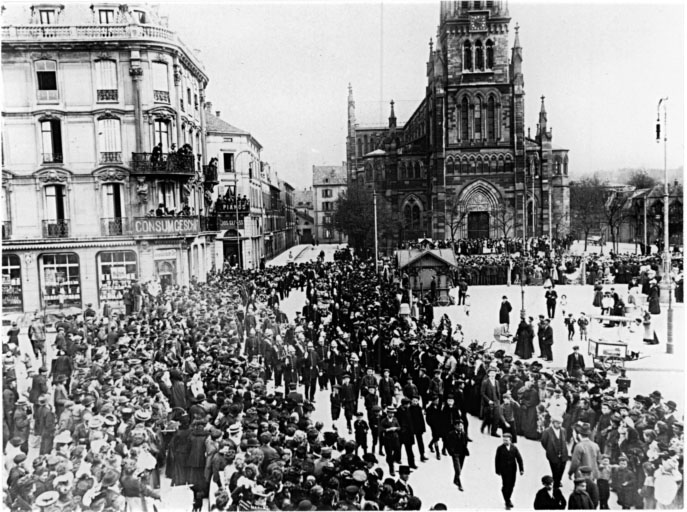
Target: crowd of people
(213, 387)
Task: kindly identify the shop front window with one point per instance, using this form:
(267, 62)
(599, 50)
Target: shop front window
(116, 271)
(11, 282)
(60, 280)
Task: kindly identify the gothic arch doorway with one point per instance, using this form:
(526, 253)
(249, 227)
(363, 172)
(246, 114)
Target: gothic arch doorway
(476, 205)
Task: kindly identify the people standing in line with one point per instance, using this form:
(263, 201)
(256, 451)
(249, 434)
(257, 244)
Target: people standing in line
(457, 448)
(553, 440)
(507, 463)
(549, 497)
(504, 313)
(551, 298)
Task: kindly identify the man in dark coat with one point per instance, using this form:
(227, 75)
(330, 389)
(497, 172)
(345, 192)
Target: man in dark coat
(507, 462)
(389, 431)
(491, 399)
(551, 297)
(579, 499)
(575, 365)
(406, 434)
(386, 388)
(417, 421)
(553, 441)
(457, 447)
(504, 312)
(547, 340)
(311, 370)
(549, 497)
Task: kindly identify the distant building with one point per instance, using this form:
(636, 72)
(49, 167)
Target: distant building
(463, 165)
(328, 182)
(305, 220)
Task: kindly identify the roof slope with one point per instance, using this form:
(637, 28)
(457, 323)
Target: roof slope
(217, 125)
(329, 175)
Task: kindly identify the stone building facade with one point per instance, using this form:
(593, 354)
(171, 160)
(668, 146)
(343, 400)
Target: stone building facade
(328, 182)
(463, 165)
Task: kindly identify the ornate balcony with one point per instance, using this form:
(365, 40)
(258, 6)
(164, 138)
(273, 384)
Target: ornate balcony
(6, 229)
(115, 226)
(110, 157)
(161, 96)
(164, 163)
(56, 228)
(108, 94)
(210, 173)
(52, 158)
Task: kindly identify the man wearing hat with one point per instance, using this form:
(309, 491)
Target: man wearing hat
(553, 440)
(575, 365)
(311, 370)
(549, 497)
(457, 448)
(579, 499)
(507, 462)
(656, 404)
(547, 340)
(585, 453)
(592, 489)
(491, 400)
(401, 485)
(45, 424)
(389, 432)
(349, 400)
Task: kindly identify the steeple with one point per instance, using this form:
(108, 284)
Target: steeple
(542, 116)
(351, 111)
(516, 62)
(392, 117)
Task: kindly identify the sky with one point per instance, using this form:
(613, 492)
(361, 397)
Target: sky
(281, 71)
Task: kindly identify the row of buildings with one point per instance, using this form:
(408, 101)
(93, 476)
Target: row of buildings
(115, 168)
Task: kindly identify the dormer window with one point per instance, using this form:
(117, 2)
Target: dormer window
(106, 16)
(47, 16)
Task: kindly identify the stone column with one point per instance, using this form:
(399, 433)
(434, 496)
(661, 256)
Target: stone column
(136, 73)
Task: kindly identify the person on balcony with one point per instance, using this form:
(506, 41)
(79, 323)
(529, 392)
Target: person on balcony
(156, 154)
(161, 210)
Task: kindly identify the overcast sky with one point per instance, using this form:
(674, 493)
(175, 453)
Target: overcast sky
(281, 72)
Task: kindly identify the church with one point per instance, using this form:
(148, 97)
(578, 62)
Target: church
(464, 165)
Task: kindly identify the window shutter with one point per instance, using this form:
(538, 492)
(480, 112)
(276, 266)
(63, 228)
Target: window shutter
(56, 129)
(106, 74)
(160, 78)
(109, 134)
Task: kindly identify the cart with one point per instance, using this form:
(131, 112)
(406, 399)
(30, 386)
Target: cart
(608, 355)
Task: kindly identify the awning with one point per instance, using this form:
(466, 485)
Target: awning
(42, 245)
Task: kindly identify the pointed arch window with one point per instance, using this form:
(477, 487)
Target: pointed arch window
(490, 54)
(479, 56)
(491, 118)
(467, 56)
(412, 214)
(464, 112)
(478, 119)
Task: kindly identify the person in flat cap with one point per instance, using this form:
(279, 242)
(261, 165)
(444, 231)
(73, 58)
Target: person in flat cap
(549, 497)
(554, 442)
(585, 453)
(389, 429)
(579, 499)
(507, 463)
(592, 489)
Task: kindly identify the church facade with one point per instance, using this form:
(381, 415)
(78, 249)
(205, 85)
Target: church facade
(463, 165)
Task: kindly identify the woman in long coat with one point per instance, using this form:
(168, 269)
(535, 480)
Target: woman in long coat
(654, 294)
(524, 335)
(178, 452)
(529, 400)
(196, 456)
(598, 294)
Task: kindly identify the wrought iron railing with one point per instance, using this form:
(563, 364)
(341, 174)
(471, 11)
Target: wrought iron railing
(162, 163)
(56, 228)
(115, 226)
(108, 94)
(6, 229)
(210, 173)
(161, 96)
(108, 157)
(52, 158)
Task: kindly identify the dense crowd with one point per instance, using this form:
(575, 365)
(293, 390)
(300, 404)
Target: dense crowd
(213, 387)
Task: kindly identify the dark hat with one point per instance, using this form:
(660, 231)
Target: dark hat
(580, 480)
(16, 441)
(352, 490)
(576, 347)
(306, 505)
(370, 458)
(585, 470)
(391, 408)
(19, 458)
(656, 394)
(671, 405)
(546, 480)
(404, 470)
(507, 435)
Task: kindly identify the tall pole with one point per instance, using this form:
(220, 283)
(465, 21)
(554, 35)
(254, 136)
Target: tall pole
(534, 177)
(666, 219)
(550, 214)
(645, 198)
(524, 195)
(374, 203)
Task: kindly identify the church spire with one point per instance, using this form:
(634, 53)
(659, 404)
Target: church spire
(351, 110)
(392, 116)
(542, 116)
(516, 62)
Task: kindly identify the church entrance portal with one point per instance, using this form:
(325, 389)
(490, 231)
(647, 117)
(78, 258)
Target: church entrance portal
(478, 225)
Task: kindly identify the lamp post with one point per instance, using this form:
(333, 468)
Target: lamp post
(374, 205)
(667, 279)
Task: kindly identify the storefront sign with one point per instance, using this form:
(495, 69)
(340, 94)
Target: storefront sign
(117, 273)
(165, 254)
(228, 223)
(165, 225)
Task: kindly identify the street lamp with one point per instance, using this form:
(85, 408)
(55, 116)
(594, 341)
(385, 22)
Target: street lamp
(374, 205)
(666, 207)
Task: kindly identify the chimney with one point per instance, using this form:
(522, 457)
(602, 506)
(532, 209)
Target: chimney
(217, 113)
(208, 106)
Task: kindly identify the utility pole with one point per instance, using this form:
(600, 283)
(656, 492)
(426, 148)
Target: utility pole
(374, 203)
(667, 278)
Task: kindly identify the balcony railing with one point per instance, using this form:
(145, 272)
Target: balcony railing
(108, 94)
(108, 157)
(52, 158)
(56, 228)
(210, 173)
(115, 226)
(6, 229)
(164, 163)
(98, 32)
(161, 96)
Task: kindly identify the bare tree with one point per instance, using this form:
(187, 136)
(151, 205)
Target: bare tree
(455, 215)
(616, 211)
(586, 206)
(504, 220)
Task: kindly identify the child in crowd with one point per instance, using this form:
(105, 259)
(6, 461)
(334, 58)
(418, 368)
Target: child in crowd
(361, 429)
(563, 302)
(624, 483)
(647, 491)
(570, 322)
(603, 482)
(583, 322)
(466, 305)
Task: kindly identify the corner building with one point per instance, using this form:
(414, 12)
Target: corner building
(463, 165)
(87, 207)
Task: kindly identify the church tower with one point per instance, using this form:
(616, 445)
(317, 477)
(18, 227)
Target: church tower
(351, 150)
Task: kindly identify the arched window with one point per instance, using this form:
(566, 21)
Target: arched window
(490, 54)
(478, 119)
(360, 148)
(367, 145)
(501, 164)
(467, 56)
(492, 165)
(450, 165)
(464, 112)
(509, 165)
(412, 214)
(479, 56)
(491, 118)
